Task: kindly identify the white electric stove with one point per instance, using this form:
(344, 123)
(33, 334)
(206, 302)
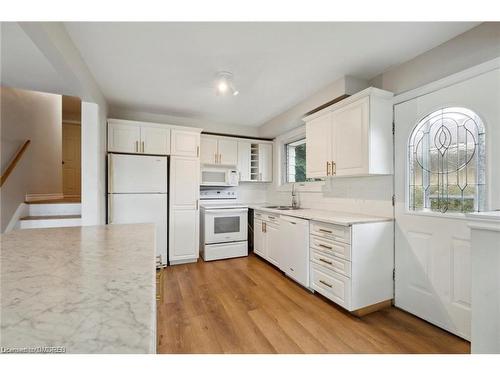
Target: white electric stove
(224, 224)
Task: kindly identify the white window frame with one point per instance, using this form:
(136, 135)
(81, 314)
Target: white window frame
(280, 163)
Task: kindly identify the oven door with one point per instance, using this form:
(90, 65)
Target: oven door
(226, 225)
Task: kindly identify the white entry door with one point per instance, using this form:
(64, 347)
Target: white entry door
(438, 164)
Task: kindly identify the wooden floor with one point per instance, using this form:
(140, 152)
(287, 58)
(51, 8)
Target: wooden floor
(245, 305)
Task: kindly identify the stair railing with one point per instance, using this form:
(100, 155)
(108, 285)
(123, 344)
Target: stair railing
(12, 164)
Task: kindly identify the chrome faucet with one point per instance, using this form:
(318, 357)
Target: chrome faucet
(295, 201)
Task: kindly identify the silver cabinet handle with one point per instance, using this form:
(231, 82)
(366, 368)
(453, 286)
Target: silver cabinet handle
(326, 247)
(325, 261)
(197, 151)
(142, 147)
(136, 146)
(325, 283)
(324, 230)
(328, 168)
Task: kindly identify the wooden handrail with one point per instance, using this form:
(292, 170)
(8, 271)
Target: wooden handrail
(14, 162)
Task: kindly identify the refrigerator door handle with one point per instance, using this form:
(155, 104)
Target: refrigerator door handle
(110, 213)
(110, 173)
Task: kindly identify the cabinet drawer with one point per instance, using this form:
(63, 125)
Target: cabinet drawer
(335, 232)
(332, 285)
(339, 249)
(272, 218)
(258, 215)
(333, 263)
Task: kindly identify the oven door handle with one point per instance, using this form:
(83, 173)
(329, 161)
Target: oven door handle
(225, 211)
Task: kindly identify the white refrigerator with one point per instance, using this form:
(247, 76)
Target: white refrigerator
(137, 193)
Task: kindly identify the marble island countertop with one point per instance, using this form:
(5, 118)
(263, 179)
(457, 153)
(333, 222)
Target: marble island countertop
(85, 289)
(326, 216)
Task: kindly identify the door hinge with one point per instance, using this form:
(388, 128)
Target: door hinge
(394, 274)
(393, 200)
(393, 128)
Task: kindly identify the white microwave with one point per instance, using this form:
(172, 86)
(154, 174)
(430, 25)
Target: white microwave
(213, 176)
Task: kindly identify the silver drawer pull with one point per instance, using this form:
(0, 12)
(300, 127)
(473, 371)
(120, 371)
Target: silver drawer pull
(271, 217)
(326, 247)
(324, 283)
(325, 261)
(325, 231)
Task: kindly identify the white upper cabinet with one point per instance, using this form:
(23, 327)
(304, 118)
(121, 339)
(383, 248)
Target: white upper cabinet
(350, 133)
(124, 137)
(155, 140)
(228, 152)
(218, 150)
(134, 137)
(265, 162)
(352, 137)
(244, 156)
(185, 143)
(319, 146)
(208, 150)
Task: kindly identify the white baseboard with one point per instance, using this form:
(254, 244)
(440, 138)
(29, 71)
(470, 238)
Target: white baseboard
(41, 197)
(21, 211)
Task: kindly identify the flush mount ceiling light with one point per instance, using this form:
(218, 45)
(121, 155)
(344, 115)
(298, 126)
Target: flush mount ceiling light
(224, 84)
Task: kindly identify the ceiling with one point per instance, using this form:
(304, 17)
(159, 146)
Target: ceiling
(168, 68)
(24, 66)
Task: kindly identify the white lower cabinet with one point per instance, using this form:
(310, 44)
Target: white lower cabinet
(352, 265)
(266, 237)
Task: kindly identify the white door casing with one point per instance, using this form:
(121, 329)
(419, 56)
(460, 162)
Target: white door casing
(433, 250)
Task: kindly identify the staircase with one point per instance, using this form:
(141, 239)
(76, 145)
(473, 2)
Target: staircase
(51, 214)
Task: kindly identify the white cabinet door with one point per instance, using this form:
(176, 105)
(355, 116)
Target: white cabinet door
(184, 233)
(185, 143)
(318, 146)
(184, 210)
(273, 244)
(184, 182)
(244, 156)
(228, 152)
(265, 162)
(208, 150)
(258, 238)
(350, 139)
(155, 140)
(124, 138)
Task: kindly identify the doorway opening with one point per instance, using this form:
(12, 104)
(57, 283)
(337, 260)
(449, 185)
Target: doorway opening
(71, 148)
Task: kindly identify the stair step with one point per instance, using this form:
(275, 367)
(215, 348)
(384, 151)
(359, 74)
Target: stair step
(51, 217)
(55, 201)
(51, 209)
(50, 221)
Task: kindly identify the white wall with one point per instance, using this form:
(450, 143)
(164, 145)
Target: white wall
(292, 118)
(93, 164)
(120, 113)
(473, 47)
(36, 116)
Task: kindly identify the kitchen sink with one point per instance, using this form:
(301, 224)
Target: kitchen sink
(284, 208)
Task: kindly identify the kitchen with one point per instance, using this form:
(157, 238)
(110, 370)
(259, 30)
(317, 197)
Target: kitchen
(356, 214)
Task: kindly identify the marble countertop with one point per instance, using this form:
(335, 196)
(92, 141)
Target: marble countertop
(86, 289)
(326, 216)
